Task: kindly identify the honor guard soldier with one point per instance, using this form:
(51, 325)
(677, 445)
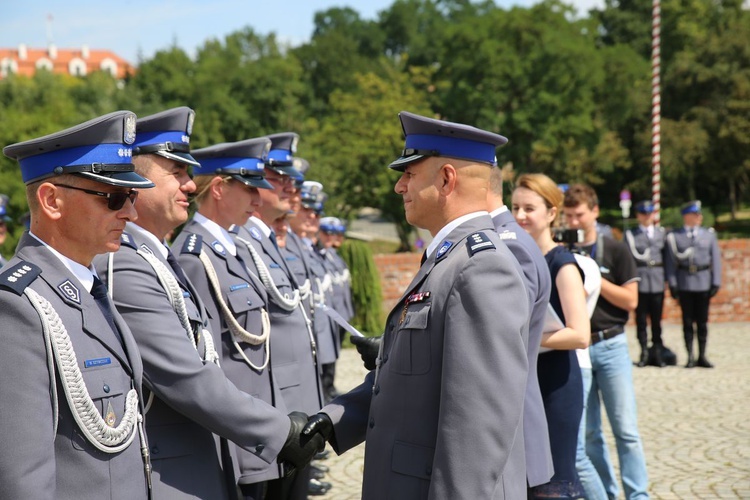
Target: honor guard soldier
(539, 467)
(70, 401)
(646, 244)
(442, 415)
(4, 220)
(293, 345)
(694, 276)
(190, 396)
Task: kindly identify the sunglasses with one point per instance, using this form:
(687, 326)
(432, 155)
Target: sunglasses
(115, 201)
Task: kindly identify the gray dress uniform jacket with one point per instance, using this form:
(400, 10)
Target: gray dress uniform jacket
(245, 296)
(36, 462)
(306, 264)
(443, 414)
(342, 291)
(293, 352)
(193, 398)
(539, 467)
(693, 264)
(649, 257)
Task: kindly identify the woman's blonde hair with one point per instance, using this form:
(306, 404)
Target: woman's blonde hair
(203, 184)
(544, 187)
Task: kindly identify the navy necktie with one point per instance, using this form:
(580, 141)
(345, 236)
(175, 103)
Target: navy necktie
(172, 261)
(99, 292)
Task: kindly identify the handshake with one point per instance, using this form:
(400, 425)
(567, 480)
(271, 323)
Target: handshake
(307, 436)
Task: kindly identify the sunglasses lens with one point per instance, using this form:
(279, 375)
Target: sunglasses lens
(117, 200)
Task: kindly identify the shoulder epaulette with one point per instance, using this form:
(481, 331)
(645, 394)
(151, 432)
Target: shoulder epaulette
(127, 240)
(234, 229)
(478, 242)
(193, 244)
(17, 277)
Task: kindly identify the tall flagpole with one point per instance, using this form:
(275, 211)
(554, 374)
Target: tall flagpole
(656, 109)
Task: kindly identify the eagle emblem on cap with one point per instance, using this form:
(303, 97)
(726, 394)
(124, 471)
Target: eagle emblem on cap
(128, 132)
(294, 144)
(191, 119)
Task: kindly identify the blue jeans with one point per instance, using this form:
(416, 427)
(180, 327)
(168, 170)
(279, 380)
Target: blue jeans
(592, 483)
(613, 380)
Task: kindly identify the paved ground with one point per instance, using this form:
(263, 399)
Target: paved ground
(695, 423)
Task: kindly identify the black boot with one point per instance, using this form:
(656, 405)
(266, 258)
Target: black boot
(691, 359)
(658, 360)
(703, 362)
(644, 358)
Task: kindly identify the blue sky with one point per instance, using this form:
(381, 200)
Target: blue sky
(133, 27)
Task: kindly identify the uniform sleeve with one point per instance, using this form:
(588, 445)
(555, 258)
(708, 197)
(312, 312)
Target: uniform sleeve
(173, 370)
(349, 413)
(483, 385)
(27, 441)
(715, 262)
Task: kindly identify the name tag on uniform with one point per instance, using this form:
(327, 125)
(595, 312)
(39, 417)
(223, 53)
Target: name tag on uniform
(89, 363)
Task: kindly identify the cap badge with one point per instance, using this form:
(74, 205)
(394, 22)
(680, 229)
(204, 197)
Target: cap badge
(294, 144)
(190, 120)
(128, 133)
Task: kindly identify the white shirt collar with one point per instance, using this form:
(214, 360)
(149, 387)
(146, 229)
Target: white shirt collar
(262, 226)
(218, 232)
(155, 244)
(443, 233)
(499, 211)
(82, 273)
(649, 230)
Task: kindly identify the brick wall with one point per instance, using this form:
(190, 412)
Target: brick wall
(732, 303)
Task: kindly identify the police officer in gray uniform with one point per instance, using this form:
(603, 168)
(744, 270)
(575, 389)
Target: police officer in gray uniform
(70, 401)
(694, 276)
(227, 180)
(443, 414)
(539, 466)
(646, 244)
(305, 225)
(190, 397)
(293, 346)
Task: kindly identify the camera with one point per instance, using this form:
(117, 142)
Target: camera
(569, 237)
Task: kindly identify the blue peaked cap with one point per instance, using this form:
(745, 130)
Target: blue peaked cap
(166, 134)
(430, 137)
(691, 207)
(99, 149)
(644, 207)
(243, 160)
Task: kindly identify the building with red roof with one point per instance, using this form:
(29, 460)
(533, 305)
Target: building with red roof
(78, 62)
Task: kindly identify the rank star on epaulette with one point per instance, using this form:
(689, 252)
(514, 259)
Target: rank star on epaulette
(127, 240)
(478, 242)
(192, 244)
(18, 277)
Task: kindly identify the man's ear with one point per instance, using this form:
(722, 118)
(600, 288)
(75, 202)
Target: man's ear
(447, 176)
(50, 202)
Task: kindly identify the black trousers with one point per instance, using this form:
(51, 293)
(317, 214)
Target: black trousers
(694, 310)
(293, 487)
(650, 306)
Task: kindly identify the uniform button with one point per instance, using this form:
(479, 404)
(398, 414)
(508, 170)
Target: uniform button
(106, 388)
(154, 450)
(249, 302)
(259, 449)
(428, 470)
(377, 390)
(372, 423)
